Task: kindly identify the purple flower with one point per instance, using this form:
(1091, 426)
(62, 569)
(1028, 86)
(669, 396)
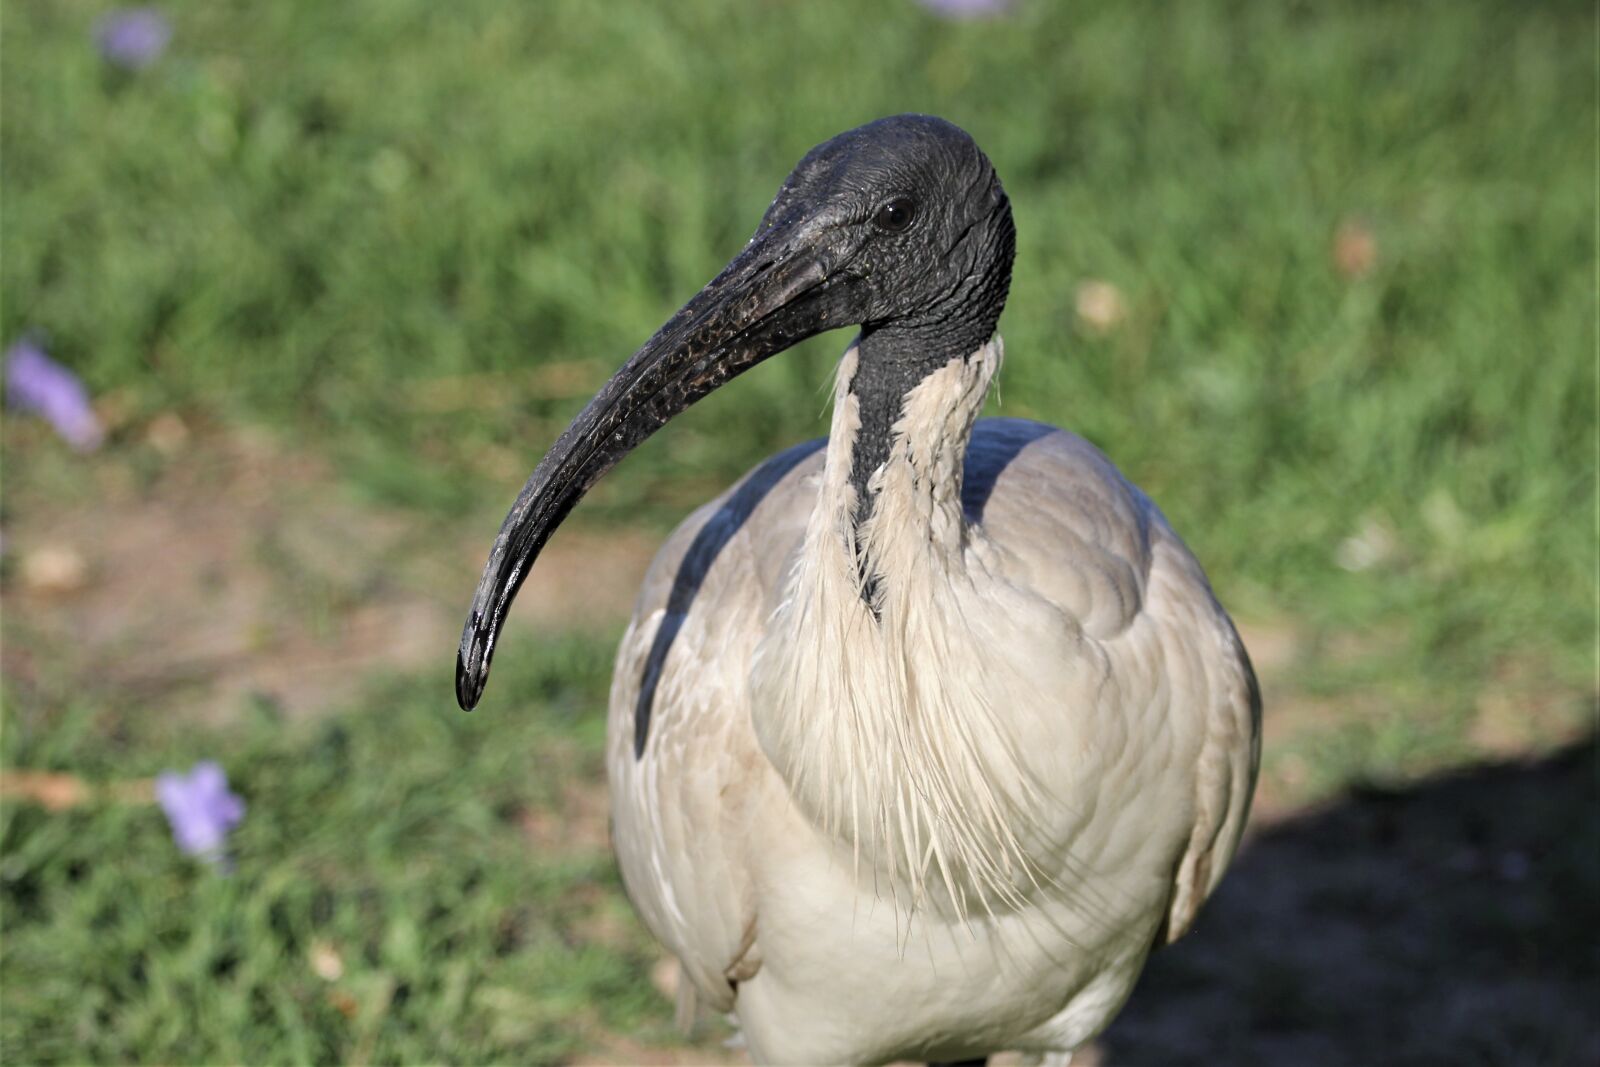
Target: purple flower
(967, 9)
(133, 38)
(37, 383)
(200, 809)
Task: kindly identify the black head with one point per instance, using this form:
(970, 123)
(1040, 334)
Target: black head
(899, 226)
(919, 227)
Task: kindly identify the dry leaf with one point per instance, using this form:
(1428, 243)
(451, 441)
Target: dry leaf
(53, 792)
(1372, 545)
(343, 1003)
(58, 791)
(54, 569)
(1355, 249)
(167, 433)
(326, 963)
(665, 977)
(1100, 306)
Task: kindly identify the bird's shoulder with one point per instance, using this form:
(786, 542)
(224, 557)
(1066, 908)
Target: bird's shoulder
(752, 526)
(1061, 521)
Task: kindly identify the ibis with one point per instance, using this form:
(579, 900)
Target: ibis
(923, 736)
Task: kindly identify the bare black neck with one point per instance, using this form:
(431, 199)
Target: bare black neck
(892, 361)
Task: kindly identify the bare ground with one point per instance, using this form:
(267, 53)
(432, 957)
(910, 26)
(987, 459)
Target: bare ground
(241, 570)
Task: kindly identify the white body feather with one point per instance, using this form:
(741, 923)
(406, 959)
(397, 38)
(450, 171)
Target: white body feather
(954, 821)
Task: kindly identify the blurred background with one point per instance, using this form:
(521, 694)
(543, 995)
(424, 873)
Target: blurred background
(296, 293)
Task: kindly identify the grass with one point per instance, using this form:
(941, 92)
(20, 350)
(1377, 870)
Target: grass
(410, 845)
(425, 234)
(415, 237)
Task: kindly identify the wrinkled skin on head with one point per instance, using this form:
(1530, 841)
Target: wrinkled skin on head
(946, 274)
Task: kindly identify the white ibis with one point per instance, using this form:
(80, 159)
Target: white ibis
(923, 736)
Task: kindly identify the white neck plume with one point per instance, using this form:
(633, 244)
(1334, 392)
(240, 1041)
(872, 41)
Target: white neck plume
(881, 717)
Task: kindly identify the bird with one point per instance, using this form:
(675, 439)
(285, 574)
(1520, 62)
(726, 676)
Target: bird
(922, 736)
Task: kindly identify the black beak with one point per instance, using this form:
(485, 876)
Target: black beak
(775, 293)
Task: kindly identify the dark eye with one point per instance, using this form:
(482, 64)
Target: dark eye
(896, 215)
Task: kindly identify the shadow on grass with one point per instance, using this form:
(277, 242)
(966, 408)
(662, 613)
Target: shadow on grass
(1450, 922)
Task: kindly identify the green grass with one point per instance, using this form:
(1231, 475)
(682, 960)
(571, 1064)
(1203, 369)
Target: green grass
(416, 236)
(392, 837)
(311, 214)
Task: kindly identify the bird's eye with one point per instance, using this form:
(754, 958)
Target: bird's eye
(896, 215)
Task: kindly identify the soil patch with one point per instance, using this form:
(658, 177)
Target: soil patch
(242, 570)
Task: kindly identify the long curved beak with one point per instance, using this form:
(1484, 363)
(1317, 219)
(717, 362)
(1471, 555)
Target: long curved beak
(773, 294)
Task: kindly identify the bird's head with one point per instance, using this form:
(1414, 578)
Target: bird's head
(906, 223)
(900, 227)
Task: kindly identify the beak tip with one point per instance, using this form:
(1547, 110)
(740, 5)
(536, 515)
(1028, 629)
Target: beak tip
(472, 674)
